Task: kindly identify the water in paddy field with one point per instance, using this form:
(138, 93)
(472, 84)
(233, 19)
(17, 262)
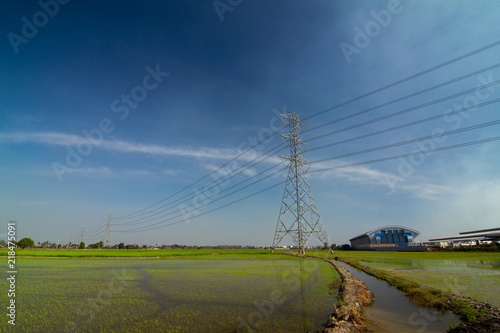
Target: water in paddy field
(393, 312)
(133, 295)
(478, 279)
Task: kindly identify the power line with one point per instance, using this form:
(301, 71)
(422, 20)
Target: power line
(213, 210)
(146, 220)
(204, 177)
(461, 145)
(249, 164)
(96, 226)
(321, 112)
(474, 127)
(446, 63)
(402, 126)
(188, 197)
(217, 199)
(214, 200)
(419, 44)
(415, 94)
(476, 142)
(416, 122)
(402, 143)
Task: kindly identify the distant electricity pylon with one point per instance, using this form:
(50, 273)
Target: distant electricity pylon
(106, 239)
(299, 216)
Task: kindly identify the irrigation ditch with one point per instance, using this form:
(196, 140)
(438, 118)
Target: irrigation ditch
(355, 299)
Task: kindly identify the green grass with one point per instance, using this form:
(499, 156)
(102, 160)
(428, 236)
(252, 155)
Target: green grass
(388, 255)
(132, 253)
(203, 293)
(431, 278)
(461, 273)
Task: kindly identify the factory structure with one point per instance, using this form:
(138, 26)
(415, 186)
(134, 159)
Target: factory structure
(388, 238)
(401, 238)
(468, 238)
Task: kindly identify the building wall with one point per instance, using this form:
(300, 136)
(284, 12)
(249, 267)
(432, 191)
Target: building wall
(385, 236)
(360, 241)
(392, 236)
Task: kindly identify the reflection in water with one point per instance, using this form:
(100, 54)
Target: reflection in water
(299, 306)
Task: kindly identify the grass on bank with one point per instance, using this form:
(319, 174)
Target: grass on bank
(421, 294)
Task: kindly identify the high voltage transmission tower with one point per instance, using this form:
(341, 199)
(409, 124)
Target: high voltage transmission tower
(299, 216)
(106, 239)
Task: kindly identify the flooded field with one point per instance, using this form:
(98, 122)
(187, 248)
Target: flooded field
(278, 294)
(479, 279)
(469, 274)
(393, 312)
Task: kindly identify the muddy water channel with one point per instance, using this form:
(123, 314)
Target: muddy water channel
(393, 312)
(282, 294)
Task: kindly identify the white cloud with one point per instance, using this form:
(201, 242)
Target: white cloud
(50, 138)
(172, 172)
(62, 139)
(395, 183)
(95, 171)
(359, 174)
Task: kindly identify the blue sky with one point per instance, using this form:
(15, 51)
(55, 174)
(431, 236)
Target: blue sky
(169, 92)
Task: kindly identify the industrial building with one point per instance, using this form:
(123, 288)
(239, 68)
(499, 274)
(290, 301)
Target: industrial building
(390, 237)
(475, 237)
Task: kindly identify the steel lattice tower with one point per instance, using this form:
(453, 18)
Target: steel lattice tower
(106, 239)
(299, 216)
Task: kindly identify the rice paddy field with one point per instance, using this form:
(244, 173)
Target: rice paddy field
(207, 291)
(469, 274)
(216, 292)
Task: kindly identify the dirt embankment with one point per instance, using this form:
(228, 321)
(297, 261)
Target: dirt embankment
(476, 317)
(353, 297)
(487, 319)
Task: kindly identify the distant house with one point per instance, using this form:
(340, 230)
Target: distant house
(386, 236)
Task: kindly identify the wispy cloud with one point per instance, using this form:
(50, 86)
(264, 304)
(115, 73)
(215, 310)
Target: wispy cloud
(62, 139)
(359, 174)
(50, 138)
(370, 176)
(93, 171)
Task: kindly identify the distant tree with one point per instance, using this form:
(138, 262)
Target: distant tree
(121, 246)
(97, 245)
(144, 246)
(3, 243)
(26, 242)
(82, 245)
(333, 246)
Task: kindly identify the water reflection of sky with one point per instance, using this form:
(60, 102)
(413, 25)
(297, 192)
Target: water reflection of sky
(486, 266)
